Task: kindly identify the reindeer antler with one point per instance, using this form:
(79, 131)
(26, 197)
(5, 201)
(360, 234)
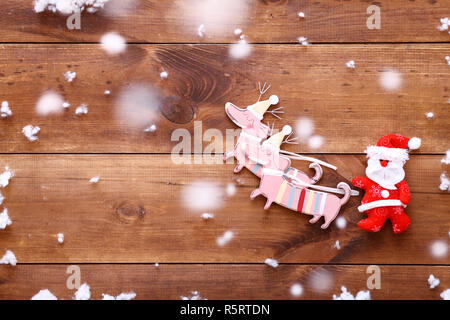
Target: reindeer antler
(262, 90)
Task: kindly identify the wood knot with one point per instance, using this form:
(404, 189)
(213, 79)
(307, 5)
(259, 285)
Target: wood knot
(177, 110)
(129, 213)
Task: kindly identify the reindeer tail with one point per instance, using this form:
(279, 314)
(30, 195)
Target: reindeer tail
(347, 190)
(319, 172)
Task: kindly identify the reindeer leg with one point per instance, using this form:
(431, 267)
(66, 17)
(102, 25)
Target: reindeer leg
(268, 204)
(238, 168)
(329, 219)
(315, 219)
(228, 155)
(255, 193)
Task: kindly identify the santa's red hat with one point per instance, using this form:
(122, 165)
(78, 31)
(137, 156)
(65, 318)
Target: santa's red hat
(393, 147)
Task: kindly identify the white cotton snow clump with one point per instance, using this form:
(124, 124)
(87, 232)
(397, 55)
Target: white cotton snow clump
(296, 290)
(271, 262)
(446, 159)
(240, 49)
(225, 238)
(30, 132)
(207, 216)
(445, 23)
(67, 7)
(164, 74)
(390, 80)
(95, 179)
(350, 64)
(429, 115)
(433, 282)
(83, 292)
(195, 295)
(303, 41)
(113, 43)
(5, 111)
(202, 196)
(82, 109)
(49, 103)
(201, 30)
(445, 182)
(4, 219)
(44, 294)
(301, 14)
(445, 295)
(60, 237)
(345, 295)
(122, 296)
(70, 76)
(337, 245)
(151, 128)
(9, 258)
(138, 105)
(5, 176)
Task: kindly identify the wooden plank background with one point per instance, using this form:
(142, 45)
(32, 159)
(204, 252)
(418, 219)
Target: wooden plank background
(134, 217)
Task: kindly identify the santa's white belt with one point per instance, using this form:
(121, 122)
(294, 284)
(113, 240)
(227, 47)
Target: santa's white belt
(380, 203)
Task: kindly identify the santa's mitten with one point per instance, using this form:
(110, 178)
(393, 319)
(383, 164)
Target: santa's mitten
(360, 182)
(404, 193)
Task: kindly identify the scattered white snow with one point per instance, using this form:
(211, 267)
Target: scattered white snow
(30, 132)
(337, 245)
(95, 179)
(445, 23)
(9, 258)
(83, 292)
(271, 262)
(194, 296)
(447, 58)
(122, 296)
(304, 128)
(439, 249)
(107, 92)
(201, 30)
(346, 295)
(240, 49)
(446, 159)
(5, 111)
(49, 103)
(320, 280)
(67, 7)
(4, 219)
(303, 41)
(113, 43)
(151, 128)
(60, 237)
(1, 198)
(202, 196)
(390, 80)
(296, 290)
(44, 294)
(315, 142)
(156, 264)
(301, 14)
(341, 223)
(70, 76)
(66, 104)
(350, 64)
(225, 238)
(5, 176)
(433, 282)
(82, 109)
(207, 216)
(429, 115)
(445, 182)
(231, 189)
(164, 74)
(237, 31)
(445, 295)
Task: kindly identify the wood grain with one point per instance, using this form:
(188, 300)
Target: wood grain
(218, 281)
(263, 21)
(349, 108)
(136, 214)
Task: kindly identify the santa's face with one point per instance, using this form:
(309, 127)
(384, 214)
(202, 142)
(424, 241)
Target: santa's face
(384, 172)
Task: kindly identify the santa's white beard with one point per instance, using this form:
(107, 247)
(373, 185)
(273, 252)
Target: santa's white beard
(388, 176)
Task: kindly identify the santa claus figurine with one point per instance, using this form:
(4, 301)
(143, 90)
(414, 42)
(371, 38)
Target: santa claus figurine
(386, 191)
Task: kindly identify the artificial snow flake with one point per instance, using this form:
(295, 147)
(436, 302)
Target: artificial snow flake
(60, 237)
(9, 258)
(345, 295)
(445, 295)
(70, 76)
(83, 292)
(156, 264)
(296, 290)
(439, 249)
(445, 182)
(315, 142)
(107, 92)
(5, 111)
(122, 296)
(207, 216)
(67, 7)
(194, 296)
(237, 31)
(151, 128)
(429, 115)
(303, 41)
(164, 74)
(240, 49)
(301, 14)
(44, 294)
(350, 64)
(5, 177)
(390, 80)
(30, 132)
(445, 23)
(341, 223)
(113, 43)
(4, 219)
(447, 58)
(433, 282)
(201, 30)
(225, 238)
(49, 103)
(82, 109)
(446, 159)
(337, 245)
(271, 262)
(65, 105)
(94, 179)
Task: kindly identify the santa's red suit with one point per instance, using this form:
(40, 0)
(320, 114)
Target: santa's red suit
(386, 191)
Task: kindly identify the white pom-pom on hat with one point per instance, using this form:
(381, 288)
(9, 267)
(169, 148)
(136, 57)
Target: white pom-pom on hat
(273, 99)
(287, 130)
(414, 143)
